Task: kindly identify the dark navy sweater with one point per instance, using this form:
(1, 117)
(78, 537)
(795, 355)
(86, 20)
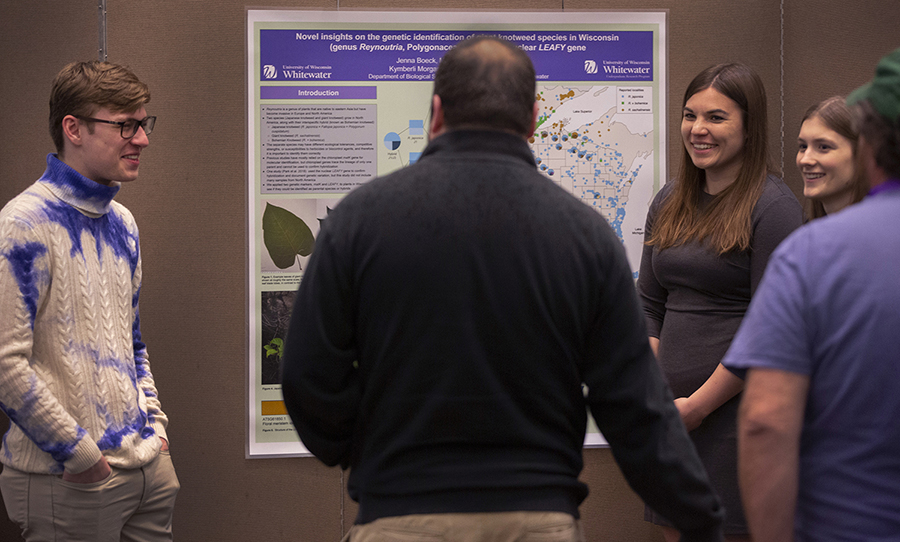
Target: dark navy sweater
(476, 296)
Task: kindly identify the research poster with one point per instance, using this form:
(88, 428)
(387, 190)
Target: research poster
(336, 98)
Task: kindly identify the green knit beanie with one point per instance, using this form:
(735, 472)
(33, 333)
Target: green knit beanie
(883, 92)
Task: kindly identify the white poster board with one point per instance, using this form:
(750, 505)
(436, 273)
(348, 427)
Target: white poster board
(335, 98)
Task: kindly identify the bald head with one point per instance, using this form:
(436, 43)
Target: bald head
(486, 83)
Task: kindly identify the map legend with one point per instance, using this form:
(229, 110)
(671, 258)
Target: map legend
(635, 100)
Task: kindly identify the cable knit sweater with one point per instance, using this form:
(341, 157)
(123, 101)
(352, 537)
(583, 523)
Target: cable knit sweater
(74, 376)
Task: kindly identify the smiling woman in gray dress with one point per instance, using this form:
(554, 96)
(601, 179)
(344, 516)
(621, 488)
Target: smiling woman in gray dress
(708, 237)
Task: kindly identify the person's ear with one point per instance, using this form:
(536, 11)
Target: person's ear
(72, 129)
(866, 164)
(534, 116)
(437, 117)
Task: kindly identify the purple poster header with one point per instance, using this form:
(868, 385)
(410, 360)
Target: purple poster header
(322, 56)
(311, 93)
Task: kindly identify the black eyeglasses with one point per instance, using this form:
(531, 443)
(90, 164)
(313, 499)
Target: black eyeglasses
(127, 127)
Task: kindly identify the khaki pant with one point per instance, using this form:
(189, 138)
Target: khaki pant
(133, 505)
(484, 527)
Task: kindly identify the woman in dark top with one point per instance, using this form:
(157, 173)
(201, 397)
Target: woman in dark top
(825, 150)
(708, 238)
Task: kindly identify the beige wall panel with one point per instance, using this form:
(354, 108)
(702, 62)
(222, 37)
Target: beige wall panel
(831, 48)
(36, 40)
(612, 510)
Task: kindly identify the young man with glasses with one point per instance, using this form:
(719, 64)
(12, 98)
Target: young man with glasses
(86, 457)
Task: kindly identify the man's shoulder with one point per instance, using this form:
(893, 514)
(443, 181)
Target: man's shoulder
(850, 239)
(25, 202)
(874, 220)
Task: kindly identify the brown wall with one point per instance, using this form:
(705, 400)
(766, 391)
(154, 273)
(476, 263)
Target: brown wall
(190, 205)
(830, 49)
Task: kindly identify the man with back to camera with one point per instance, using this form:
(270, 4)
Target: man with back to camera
(86, 457)
(447, 320)
(818, 434)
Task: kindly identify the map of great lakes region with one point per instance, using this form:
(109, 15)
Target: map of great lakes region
(597, 143)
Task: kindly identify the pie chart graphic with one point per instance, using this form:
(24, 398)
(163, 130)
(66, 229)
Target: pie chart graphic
(392, 141)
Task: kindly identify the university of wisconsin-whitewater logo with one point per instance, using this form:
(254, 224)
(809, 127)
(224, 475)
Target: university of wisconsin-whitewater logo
(590, 66)
(270, 73)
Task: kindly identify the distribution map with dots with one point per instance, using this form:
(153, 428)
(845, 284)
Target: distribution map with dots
(597, 142)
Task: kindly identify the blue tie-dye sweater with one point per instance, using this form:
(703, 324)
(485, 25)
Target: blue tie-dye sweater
(74, 375)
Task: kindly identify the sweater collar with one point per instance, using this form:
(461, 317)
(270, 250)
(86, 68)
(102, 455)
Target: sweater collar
(77, 190)
(481, 141)
(888, 186)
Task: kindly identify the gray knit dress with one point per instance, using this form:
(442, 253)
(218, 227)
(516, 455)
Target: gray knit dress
(694, 300)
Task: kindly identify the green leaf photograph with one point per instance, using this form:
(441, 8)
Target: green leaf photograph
(286, 236)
